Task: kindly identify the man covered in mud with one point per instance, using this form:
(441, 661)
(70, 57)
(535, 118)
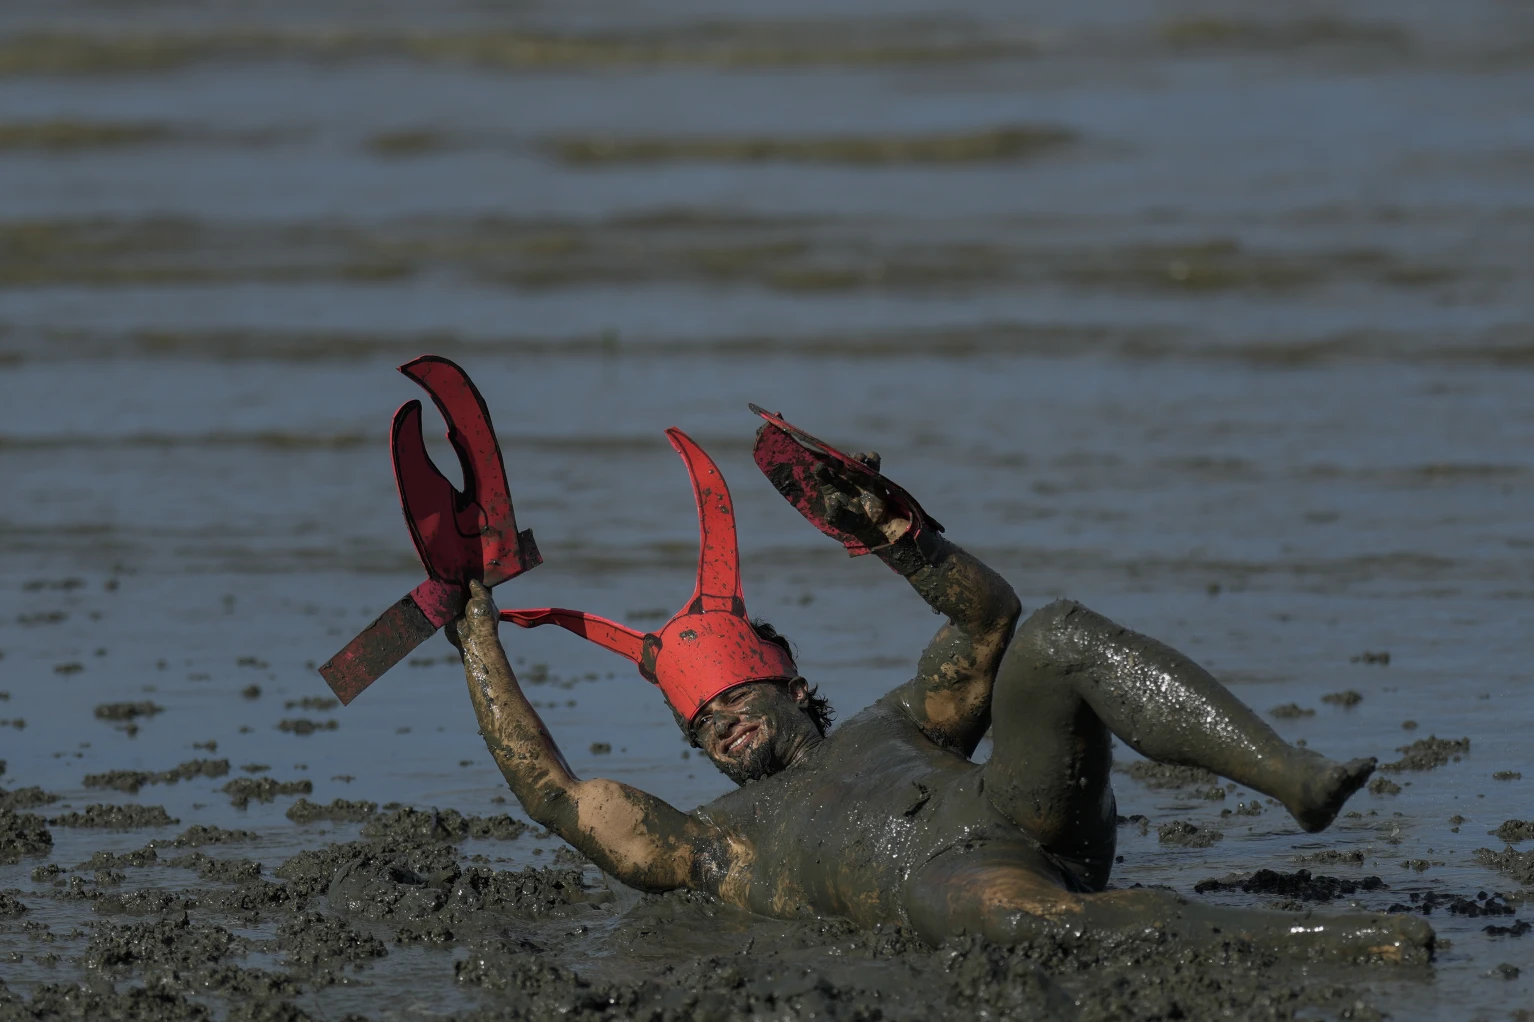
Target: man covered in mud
(886, 819)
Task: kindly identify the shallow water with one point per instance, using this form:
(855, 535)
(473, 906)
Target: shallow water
(1241, 359)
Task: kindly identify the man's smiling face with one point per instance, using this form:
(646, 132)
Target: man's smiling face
(755, 730)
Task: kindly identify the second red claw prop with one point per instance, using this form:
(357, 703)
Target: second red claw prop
(460, 535)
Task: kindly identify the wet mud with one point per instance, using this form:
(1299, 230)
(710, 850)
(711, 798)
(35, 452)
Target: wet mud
(242, 791)
(115, 817)
(1299, 885)
(131, 781)
(1428, 754)
(332, 916)
(23, 834)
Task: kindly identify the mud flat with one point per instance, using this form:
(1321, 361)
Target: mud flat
(321, 930)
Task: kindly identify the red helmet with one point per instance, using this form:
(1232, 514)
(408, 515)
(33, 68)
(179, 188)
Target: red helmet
(709, 646)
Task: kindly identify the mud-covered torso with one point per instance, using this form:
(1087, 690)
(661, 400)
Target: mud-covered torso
(840, 831)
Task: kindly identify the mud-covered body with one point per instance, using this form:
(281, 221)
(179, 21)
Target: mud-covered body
(842, 831)
(888, 820)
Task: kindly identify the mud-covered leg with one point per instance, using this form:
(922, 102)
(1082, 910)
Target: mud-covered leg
(1070, 673)
(987, 893)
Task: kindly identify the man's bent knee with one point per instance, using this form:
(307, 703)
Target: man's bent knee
(1062, 632)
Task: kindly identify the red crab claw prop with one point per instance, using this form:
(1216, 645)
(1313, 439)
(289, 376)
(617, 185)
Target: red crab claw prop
(459, 535)
(795, 463)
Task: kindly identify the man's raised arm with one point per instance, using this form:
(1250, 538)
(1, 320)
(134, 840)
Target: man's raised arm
(950, 697)
(631, 835)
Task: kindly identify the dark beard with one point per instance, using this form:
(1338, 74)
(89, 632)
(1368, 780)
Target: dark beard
(763, 761)
(785, 733)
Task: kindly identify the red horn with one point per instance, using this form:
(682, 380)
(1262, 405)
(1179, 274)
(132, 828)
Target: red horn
(718, 586)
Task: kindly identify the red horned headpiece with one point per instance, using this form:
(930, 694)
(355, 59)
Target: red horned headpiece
(709, 646)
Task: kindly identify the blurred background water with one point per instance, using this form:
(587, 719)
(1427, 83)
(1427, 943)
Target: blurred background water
(1216, 317)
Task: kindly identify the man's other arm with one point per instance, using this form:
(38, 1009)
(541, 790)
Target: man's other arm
(950, 696)
(629, 834)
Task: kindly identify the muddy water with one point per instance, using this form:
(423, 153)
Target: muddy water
(1218, 322)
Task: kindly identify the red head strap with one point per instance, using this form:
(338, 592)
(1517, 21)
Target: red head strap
(709, 646)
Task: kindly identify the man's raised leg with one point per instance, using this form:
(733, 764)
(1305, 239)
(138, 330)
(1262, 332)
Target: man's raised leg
(1071, 676)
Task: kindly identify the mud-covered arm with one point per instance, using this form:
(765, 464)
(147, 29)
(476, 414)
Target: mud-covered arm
(950, 697)
(629, 834)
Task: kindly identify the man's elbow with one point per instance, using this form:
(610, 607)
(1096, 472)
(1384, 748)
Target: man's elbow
(1011, 609)
(1003, 610)
(547, 806)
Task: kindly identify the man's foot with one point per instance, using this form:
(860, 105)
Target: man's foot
(1322, 796)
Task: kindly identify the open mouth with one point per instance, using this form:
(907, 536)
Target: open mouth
(739, 738)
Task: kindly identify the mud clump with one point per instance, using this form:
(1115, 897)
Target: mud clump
(25, 798)
(128, 711)
(131, 781)
(1384, 786)
(243, 790)
(10, 906)
(1164, 775)
(130, 817)
(1513, 831)
(340, 811)
(426, 882)
(1428, 754)
(323, 944)
(1186, 835)
(319, 704)
(1482, 904)
(231, 871)
(1291, 711)
(1299, 885)
(23, 834)
(1518, 929)
(1516, 864)
(1333, 857)
(441, 825)
(145, 856)
(303, 726)
(249, 900)
(1347, 698)
(176, 943)
(145, 902)
(198, 835)
(162, 1001)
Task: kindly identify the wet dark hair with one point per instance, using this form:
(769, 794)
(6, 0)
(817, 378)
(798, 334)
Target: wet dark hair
(820, 711)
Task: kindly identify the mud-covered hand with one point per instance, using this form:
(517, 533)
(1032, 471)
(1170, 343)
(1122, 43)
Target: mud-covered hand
(844, 496)
(480, 618)
(855, 508)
